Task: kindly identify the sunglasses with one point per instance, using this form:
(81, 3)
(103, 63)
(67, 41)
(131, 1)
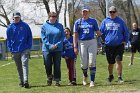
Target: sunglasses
(112, 11)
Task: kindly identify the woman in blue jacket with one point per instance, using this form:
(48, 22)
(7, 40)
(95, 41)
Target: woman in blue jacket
(52, 34)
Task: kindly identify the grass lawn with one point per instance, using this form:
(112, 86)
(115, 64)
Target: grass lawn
(37, 78)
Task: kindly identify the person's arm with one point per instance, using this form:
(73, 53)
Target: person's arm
(96, 28)
(29, 42)
(75, 41)
(102, 27)
(62, 37)
(98, 33)
(44, 39)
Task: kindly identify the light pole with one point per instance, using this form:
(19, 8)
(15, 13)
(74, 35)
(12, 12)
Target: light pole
(106, 1)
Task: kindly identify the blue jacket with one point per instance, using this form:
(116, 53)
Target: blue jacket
(114, 31)
(52, 34)
(68, 48)
(19, 37)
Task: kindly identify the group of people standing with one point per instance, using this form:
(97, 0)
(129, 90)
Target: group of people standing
(59, 42)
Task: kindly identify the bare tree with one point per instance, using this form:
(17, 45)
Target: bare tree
(102, 6)
(5, 10)
(4, 15)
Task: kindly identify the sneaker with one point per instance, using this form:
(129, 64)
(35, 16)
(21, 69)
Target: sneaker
(26, 85)
(49, 82)
(130, 64)
(21, 84)
(110, 78)
(74, 83)
(57, 83)
(70, 83)
(85, 81)
(120, 80)
(91, 84)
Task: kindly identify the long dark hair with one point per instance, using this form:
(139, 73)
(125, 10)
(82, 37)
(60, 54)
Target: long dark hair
(68, 30)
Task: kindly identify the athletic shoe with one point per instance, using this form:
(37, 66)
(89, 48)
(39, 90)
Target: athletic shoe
(91, 84)
(21, 84)
(49, 82)
(110, 78)
(74, 83)
(57, 83)
(85, 81)
(70, 83)
(120, 80)
(26, 85)
(130, 64)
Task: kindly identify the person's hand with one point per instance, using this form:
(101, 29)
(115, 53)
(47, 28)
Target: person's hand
(76, 50)
(66, 57)
(54, 47)
(124, 43)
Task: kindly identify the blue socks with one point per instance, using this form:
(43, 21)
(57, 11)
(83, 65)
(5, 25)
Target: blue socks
(92, 73)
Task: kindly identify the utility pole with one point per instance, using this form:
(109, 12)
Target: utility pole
(106, 7)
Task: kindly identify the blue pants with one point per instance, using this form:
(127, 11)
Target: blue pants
(50, 59)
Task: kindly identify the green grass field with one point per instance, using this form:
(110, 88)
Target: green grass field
(37, 78)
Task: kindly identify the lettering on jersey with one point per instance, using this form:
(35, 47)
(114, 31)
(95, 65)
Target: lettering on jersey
(135, 33)
(112, 26)
(86, 28)
(68, 45)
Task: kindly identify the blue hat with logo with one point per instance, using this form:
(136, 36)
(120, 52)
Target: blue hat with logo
(85, 9)
(16, 14)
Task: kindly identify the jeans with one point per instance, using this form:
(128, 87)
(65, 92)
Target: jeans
(21, 59)
(50, 59)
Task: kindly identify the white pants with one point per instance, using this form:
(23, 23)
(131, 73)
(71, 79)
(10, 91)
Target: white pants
(88, 52)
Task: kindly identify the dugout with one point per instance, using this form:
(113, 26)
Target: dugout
(2, 48)
(36, 44)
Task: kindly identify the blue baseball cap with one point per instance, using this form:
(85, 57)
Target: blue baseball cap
(16, 14)
(85, 9)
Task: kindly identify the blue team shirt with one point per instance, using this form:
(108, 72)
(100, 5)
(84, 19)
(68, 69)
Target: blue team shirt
(68, 48)
(86, 28)
(114, 31)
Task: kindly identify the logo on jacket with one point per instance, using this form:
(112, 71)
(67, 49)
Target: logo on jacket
(21, 28)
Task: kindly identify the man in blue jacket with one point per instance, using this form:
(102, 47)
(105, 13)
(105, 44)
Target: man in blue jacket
(19, 41)
(115, 36)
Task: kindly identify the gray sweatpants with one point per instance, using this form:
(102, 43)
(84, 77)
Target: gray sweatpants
(21, 60)
(88, 52)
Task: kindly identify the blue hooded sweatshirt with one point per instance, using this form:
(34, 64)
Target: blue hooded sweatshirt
(114, 31)
(52, 34)
(68, 48)
(19, 37)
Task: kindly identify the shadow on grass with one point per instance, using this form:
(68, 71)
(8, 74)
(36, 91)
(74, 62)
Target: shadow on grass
(62, 85)
(38, 86)
(115, 83)
(132, 81)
